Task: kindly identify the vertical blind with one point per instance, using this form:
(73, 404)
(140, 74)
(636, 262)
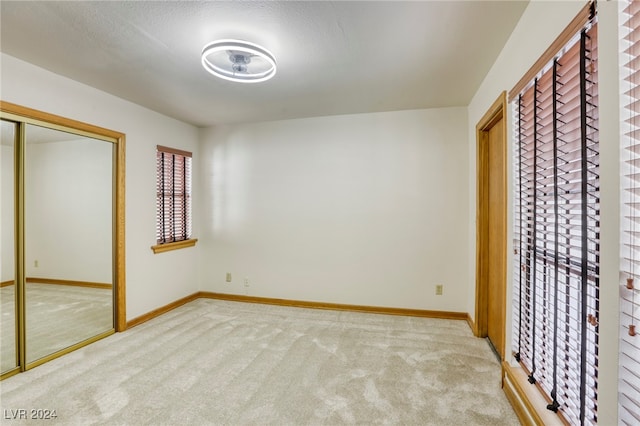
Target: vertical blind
(557, 227)
(173, 195)
(629, 373)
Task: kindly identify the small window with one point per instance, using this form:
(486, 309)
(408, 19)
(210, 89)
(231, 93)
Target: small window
(173, 199)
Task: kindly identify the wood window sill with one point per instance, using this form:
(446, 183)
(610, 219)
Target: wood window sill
(161, 248)
(527, 401)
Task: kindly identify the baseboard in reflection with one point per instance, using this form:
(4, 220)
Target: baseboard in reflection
(69, 282)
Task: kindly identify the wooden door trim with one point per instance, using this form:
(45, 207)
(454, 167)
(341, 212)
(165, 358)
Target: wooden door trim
(493, 115)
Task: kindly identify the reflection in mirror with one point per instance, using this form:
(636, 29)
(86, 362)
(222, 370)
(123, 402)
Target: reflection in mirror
(68, 239)
(8, 343)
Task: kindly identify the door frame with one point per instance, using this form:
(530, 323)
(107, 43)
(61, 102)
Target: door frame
(497, 111)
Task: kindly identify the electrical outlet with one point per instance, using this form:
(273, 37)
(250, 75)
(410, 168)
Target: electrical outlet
(228, 277)
(439, 290)
(246, 282)
(35, 263)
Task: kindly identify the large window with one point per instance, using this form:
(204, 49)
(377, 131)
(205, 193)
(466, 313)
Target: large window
(629, 385)
(557, 224)
(173, 197)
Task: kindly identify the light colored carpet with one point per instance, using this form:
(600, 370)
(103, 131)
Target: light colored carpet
(58, 316)
(228, 363)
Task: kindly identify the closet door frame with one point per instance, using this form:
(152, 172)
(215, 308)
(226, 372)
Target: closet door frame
(23, 116)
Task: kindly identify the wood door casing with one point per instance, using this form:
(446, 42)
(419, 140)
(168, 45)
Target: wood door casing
(496, 285)
(491, 229)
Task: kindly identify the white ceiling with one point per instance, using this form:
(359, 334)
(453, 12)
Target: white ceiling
(334, 57)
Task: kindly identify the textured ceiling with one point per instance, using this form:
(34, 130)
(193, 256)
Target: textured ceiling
(333, 57)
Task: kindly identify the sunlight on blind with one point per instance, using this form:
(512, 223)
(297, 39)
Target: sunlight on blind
(629, 384)
(557, 223)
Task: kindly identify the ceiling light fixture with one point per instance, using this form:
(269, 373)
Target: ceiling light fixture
(237, 60)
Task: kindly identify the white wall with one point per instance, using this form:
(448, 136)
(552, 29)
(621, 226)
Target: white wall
(68, 210)
(365, 209)
(540, 24)
(152, 280)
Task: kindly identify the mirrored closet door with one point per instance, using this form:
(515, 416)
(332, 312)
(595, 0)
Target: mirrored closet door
(8, 294)
(68, 239)
(63, 273)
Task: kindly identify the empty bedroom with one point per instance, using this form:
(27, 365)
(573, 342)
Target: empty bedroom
(319, 212)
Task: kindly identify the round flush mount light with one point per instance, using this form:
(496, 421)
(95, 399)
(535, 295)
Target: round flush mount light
(237, 60)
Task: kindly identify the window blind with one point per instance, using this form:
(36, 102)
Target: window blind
(556, 278)
(173, 195)
(629, 365)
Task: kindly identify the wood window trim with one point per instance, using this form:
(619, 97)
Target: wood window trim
(528, 403)
(569, 32)
(161, 248)
(174, 151)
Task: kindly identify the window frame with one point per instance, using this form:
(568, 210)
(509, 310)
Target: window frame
(179, 198)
